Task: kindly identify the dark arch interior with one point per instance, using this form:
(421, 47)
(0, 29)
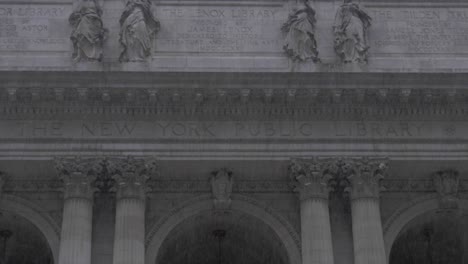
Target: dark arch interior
(21, 242)
(247, 240)
(439, 237)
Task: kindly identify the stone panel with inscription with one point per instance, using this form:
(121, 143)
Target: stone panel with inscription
(421, 30)
(211, 29)
(38, 27)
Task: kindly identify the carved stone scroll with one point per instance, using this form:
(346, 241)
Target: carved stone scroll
(312, 178)
(364, 177)
(131, 176)
(78, 175)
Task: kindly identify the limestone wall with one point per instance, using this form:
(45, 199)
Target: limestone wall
(416, 36)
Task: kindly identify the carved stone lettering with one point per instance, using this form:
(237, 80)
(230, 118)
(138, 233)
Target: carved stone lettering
(225, 29)
(34, 27)
(227, 130)
(422, 30)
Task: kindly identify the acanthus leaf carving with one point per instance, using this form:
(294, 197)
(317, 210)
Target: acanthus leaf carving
(363, 177)
(131, 175)
(78, 175)
(221, 188)
(312, 179)
(138, 27)
(88, 33)
(447, 184)
(300, 43)
(351, 33)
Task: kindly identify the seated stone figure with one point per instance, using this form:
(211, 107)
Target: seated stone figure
(350, 29)
(138, 26)
(88, 31)
(300, 43)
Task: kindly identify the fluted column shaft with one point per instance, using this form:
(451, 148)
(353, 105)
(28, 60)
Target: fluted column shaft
(369, 247)
(75, 238)
(316, 232)
(78, 176)
(129, 245)
(364, 178)
(131, 176)
(311, 181)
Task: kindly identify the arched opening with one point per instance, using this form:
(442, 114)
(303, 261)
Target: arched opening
(21, 242)
(435, 237)
(231, 238)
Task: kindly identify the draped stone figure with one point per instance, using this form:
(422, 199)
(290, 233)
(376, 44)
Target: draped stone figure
(300, 44)
(351, 30)
(138, 26)
(88, 32)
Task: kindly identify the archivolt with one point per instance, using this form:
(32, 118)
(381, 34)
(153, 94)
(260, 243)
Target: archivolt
(281, 226)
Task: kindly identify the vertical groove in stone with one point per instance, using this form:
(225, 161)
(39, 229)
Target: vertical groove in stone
(129, 243)
(316, 232)
(75, 240)
(367, 232)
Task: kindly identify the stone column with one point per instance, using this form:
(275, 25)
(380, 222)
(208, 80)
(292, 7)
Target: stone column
(364, 177)
(75, 238)
(311, 180)
(131, 176)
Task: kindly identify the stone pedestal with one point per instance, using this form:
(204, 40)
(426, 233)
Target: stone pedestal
(364, 178)
(130, 177)
(311, 181)
(75, 238)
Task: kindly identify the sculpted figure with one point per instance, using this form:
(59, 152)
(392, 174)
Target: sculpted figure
(138, 26)
(350, 29)
(300, 44)
(88, 31)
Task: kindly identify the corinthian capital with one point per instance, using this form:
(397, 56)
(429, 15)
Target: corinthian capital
(78, 175)
(446, 183)
(312, 178)
(131, 175)
(364, 176)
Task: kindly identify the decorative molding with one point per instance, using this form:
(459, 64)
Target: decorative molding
(131, 175)
(391, 185)
(283, 102)
(311, 178)
(78, 175)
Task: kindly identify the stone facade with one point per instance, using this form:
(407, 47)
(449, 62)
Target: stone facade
(281, 131)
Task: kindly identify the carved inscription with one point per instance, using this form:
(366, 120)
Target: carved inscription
(220, 29)
(230, 130)
(34, 28)
(419, 30)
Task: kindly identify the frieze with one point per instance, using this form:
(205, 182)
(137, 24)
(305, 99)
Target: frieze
(391, 185)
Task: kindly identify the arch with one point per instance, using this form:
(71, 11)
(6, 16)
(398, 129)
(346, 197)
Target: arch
(408, 212)
(32, 212)
(281, 227)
